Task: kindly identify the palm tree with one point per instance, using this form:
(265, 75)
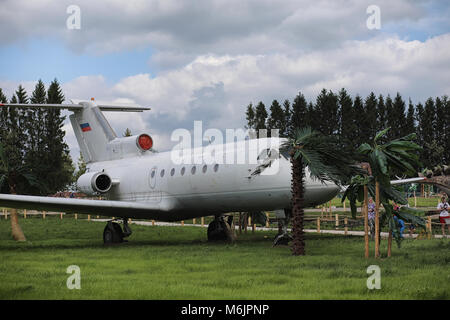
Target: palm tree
(393, 157)
(325, 161)
(12, 175)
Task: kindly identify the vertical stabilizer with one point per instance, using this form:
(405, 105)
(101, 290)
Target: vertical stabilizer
(92, 131)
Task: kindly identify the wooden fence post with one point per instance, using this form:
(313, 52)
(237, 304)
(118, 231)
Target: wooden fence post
(429, 227)
(344, 206)
(43, 214)
(76, 216)
(322, 210)
(345, 225)
(240, 222)
(60, 215)
(153, 222)
(202, 220)
(331, 211)
(24, 213)
(337, 220)
(193, 221)
(182, 222)
(5, 213)
(318, 225)
(89, 217)
(267, 220)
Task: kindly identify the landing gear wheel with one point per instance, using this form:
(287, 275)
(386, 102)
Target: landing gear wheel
(219, 230)
(112, 233)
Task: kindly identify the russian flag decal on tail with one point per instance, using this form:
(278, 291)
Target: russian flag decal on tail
(85, 127)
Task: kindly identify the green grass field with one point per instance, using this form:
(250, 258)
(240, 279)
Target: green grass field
(178, 263)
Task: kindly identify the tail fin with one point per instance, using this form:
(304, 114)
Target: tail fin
(90, 126)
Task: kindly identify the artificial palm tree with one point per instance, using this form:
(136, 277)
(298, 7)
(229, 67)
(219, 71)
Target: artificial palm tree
(398, 156)
(11, 176)
(322, 156)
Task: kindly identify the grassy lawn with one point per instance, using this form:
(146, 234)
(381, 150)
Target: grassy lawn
(178, 263)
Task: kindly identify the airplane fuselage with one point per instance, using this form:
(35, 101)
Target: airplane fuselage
(201, 189)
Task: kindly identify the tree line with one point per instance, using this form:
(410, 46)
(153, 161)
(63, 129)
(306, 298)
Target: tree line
(355, 121)
(32, 140)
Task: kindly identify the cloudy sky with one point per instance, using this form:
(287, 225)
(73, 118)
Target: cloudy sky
(207, 60)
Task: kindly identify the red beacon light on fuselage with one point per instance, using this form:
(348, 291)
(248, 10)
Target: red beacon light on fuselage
(144, 142)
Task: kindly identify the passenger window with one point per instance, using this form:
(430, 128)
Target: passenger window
(216, 167)
(162, 173)
(172, 172)
(182, 171)
(205, 167)
(193, 170)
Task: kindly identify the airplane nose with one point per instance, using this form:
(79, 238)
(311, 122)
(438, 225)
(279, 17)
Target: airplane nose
(333, 189)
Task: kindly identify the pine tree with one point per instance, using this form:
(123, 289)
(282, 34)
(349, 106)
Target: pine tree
(81, 164)
(427, 123)
(381, 114)
(440, 124)
(358, 109)
(287, 118)
(276, 119)
(34, 126)
(446, 103)
(311, 117)
(58, 161)
(410, 126)
(250, 116)
(396, 118)
(299, 113)
(327, 112)
(3, 117)
(260, 117)
(370, 117)
(127, 133)
(348, 126)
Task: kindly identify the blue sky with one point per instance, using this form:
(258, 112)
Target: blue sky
(46, 59)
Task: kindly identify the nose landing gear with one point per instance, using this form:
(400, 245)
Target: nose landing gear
(219, 230)
(113, 233)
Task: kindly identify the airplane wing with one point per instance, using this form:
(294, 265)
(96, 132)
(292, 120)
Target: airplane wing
(395, 182)
(410, 180)
(139, 210)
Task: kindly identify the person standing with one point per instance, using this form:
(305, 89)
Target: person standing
(444, 216)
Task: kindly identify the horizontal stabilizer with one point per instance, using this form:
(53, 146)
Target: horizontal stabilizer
(70, 106)
(74, 106)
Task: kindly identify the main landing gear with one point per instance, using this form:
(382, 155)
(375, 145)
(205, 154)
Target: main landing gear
(113, 233)
(220, 230)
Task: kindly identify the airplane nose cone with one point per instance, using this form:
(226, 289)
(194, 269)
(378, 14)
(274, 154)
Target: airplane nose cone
(332, 190)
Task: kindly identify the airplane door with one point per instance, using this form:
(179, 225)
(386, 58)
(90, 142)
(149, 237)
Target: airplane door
(152, 177)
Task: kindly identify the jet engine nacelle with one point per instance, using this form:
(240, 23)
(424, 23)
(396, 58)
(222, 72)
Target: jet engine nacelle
(94, 182)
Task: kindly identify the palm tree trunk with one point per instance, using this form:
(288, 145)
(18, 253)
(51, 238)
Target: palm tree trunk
(389, 244)
(16, 230)
(366, 222)
(298, 173)
(377, 219)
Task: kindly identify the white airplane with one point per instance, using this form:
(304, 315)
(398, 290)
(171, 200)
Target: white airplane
(142, 184)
